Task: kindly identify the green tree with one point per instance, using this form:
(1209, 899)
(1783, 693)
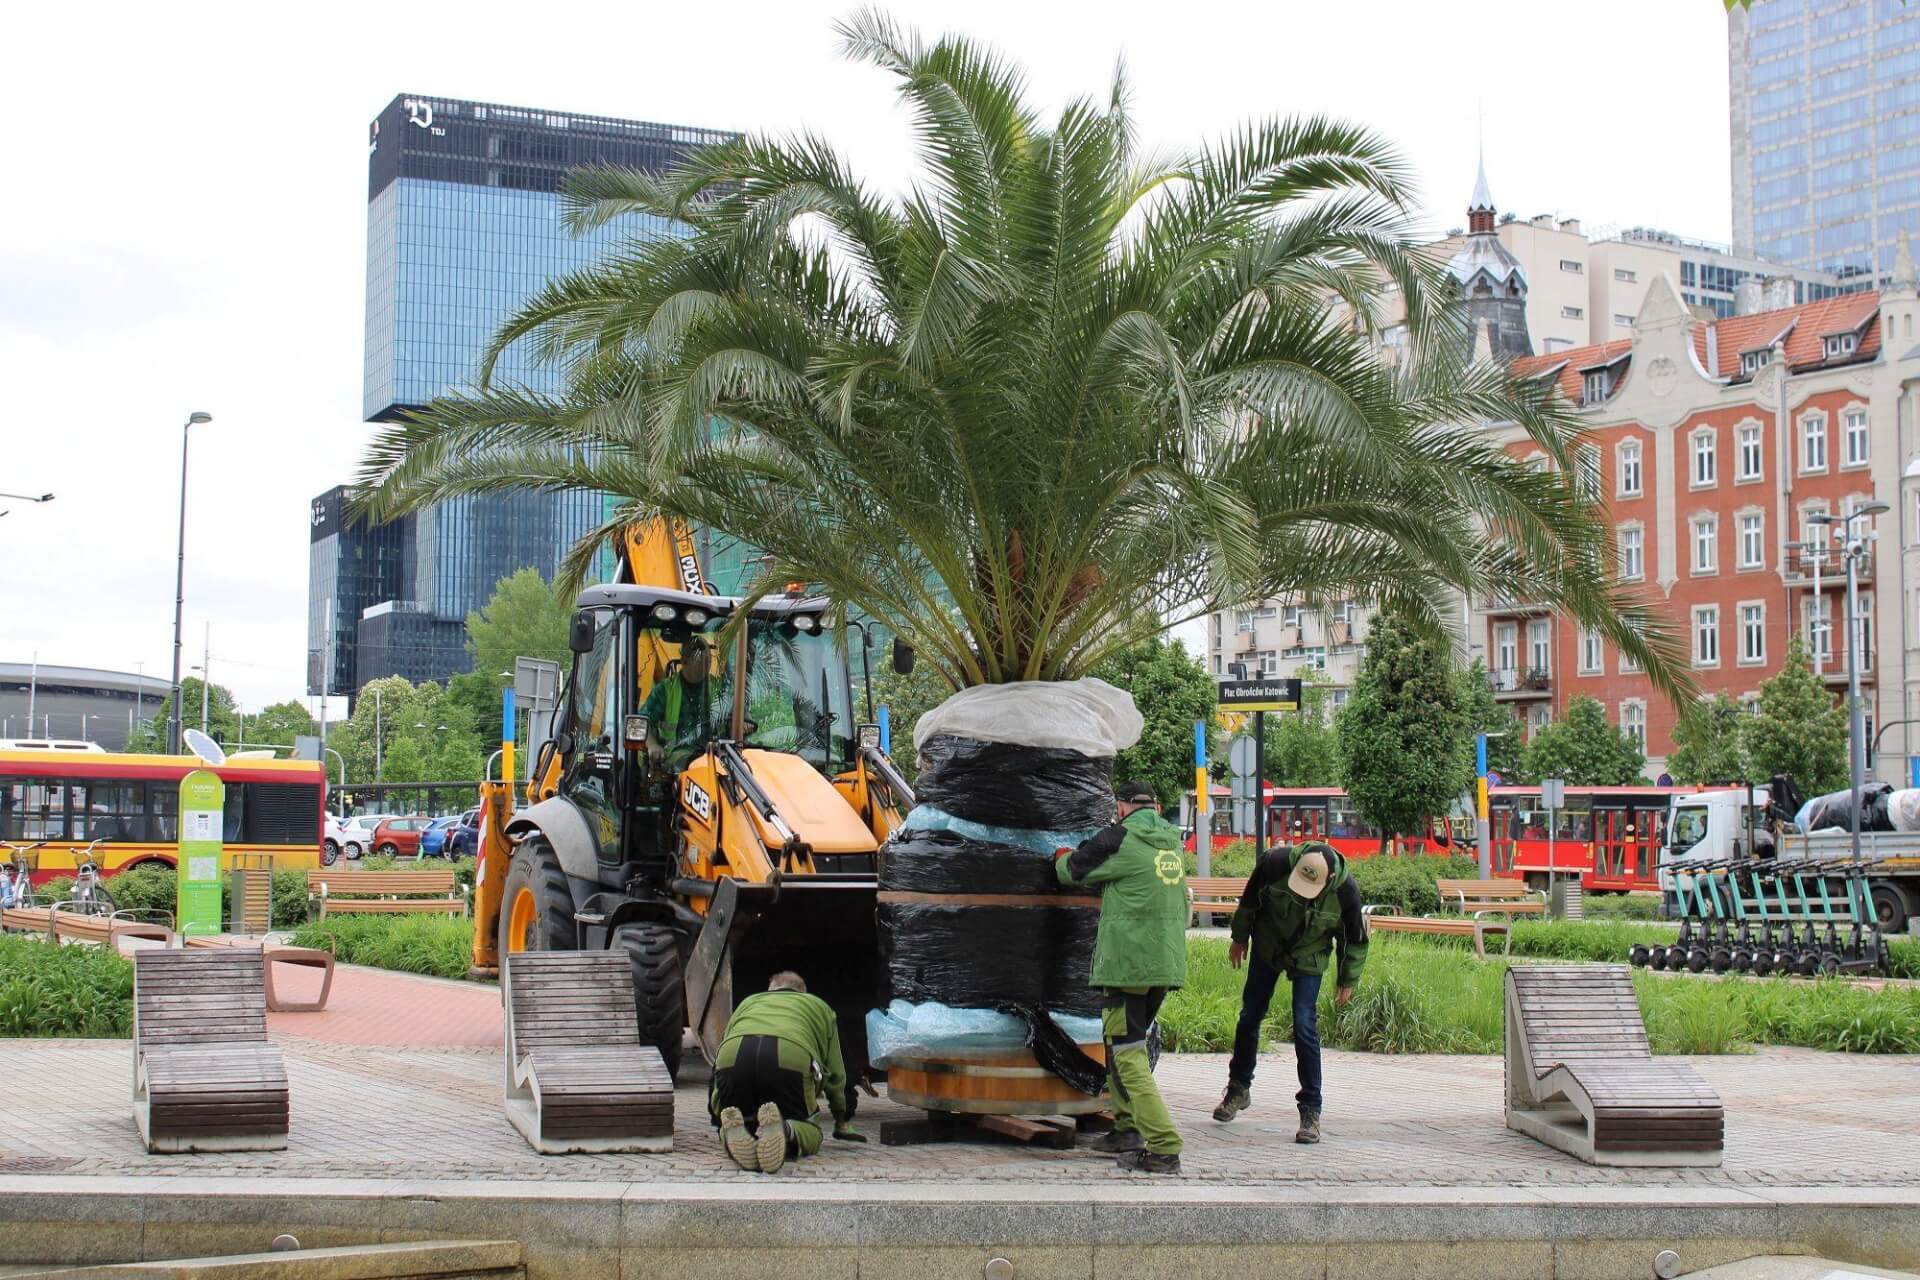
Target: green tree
(1061, 394)
(151, 735)
(1171, 691)
(1709, 742)
(526, 618)
(1800, 728)
(1403, 733)
(1506, 735)
(1303, 749)
(907, 698)
(280, 723)
(1583, 750)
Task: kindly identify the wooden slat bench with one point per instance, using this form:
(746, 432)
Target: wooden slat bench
(1475, 928)
(271, 955)
(1503, 897)
(368, 892)
(1582, 1078)
(205, 1077)
(578, 1078)
(75, 926)
(1214, 894)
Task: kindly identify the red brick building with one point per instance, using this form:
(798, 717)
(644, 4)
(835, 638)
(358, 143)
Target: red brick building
(1710, 441)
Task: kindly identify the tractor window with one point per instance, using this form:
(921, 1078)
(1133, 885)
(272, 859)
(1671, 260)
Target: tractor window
(797, 696)
(592, 777)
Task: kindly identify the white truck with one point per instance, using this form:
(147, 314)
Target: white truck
(1715, 825)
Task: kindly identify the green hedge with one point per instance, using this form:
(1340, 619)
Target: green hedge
(51, 990)
(1394, 879)
(438, 945)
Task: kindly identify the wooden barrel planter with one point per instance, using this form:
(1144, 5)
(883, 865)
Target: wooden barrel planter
(1008, 1084)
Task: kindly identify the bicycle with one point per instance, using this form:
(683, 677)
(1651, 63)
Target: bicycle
(21, 867)
(90, 895)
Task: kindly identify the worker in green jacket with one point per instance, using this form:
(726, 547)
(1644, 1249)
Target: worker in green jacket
(780, 1053)
(1299, 905)
(679, 711)
(1139, 955)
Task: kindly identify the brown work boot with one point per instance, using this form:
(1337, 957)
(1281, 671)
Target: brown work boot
(737, 1141)
(771, 1143)
(1144, 1161)
(1309, 1128)
(1237, 1099)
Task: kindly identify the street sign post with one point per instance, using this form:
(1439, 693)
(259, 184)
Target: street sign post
(1553, 796)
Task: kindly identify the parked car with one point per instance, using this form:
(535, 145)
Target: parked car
(333, 841)
(400, 836)
(433, 841)
(463, 838)
(356, 833)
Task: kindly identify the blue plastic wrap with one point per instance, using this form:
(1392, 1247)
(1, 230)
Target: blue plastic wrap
(917, 1031)
(927, 818)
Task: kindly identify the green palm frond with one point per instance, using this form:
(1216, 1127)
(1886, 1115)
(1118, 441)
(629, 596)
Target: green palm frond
(1057, 394)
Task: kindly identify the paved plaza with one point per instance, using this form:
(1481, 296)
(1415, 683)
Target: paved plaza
(402, 1076)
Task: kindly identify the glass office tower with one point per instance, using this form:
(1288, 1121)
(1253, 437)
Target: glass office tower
(463, 227)
(1825, 112)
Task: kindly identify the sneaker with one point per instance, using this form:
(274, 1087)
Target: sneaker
(1120, 1141)
(1237, 1099)
(1309, 1128)
(738, 1142)
(1144, 1161)
(771, 1143)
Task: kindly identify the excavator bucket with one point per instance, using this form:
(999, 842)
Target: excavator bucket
(819, 926)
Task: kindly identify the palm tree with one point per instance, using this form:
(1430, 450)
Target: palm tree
(1059, 396)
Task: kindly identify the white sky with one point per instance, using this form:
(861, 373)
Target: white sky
(184, 223)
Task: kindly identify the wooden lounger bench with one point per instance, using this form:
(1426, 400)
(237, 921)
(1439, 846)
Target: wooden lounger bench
(1581, 1077)
(364, 892)
(205, 1077)
(1475, 928)
(1503, 897)
(1214, 895)
(271, 955)
(578, 1078)
(76, 926)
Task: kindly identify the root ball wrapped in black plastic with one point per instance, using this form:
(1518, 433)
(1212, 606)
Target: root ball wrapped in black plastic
(1005, 785)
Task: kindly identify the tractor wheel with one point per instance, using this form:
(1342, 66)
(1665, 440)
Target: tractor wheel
(1889, 908)
(536, 909)
(659, 987)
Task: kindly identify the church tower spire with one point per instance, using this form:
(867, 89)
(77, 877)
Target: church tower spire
(1493, 284)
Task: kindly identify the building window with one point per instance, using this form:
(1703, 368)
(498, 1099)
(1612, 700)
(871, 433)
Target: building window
(1632, 557)
(1573, 313)
(1296, 616)
(1751, 362)
(1853, 428)
(1506, 647)
(1595, 387)
(1750, 456)
(1633, 721)
(1813, 442)
(1706, 539)
(1753, 540)
(1540, 646)
(1569, 264)
(1265, 611)
(1840, 344)
(1816, 629)
(1706, 635)
(1621, 273)
(1704, 462)
(1629, 470)
(1586, 471)
(1625, 322)
(1269, 662)
(1592, 653)
(1216, 664)
(1242, 620)
(1753, 634)
(1863, 636)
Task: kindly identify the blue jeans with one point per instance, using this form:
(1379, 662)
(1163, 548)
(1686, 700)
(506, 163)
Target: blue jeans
(1258, 994)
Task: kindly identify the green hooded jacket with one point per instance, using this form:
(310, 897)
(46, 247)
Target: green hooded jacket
(1143, 901)
(1297, 936)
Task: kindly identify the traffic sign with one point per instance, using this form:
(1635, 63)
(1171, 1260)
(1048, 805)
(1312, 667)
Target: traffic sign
(1240, 757)
(1271, 694)
(1553, 794)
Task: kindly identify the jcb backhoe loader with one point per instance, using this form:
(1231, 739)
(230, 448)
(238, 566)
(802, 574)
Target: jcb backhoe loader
(756, 856)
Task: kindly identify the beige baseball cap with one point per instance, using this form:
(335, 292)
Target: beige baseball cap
(1310, 875)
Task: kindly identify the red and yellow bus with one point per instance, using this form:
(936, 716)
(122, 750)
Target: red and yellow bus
(66, 800)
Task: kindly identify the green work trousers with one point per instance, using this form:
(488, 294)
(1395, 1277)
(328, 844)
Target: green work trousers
(1137, 1104)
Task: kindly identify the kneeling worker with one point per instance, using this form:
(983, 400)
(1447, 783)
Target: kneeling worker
(1298, 906)
(778, 1043)
(1139, 955)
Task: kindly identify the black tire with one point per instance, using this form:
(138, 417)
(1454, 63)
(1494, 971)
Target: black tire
(329, 852)
(388, 850)
(536, 871)
(1720, 959)
(102, 903)
(1762, 963)
(659, 987)
(1889, 908)
(1637, 955)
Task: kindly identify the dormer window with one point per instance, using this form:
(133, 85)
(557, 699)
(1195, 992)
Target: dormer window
(1841, 344)
(1751, 362)
(1596, 387)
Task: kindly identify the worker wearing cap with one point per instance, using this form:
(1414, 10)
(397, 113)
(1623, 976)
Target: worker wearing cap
(1139, 955)
(780, 1054)
(679, 711)
(1299, 906)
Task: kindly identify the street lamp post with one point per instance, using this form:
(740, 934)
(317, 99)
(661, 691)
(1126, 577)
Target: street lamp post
(180, 579)
(1854, 547)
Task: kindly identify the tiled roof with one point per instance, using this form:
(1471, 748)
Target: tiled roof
(1805, 326)
(1570, 362)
